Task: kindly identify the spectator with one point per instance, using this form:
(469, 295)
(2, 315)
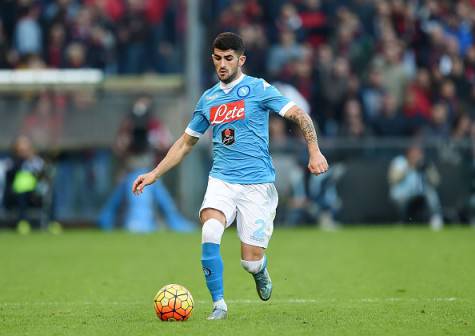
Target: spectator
(412, 182)
(100, 51)
(353, 126)
(458, 25)
(461, 83)
(75, 56)
(326, 116)
(334, 86)
(353, 130)
(28, 186)
(417, 105)
(439, 126)
(256, 43)
(28, 34)
(282, 53)
(314, 22)
(392, 70)
(431, 55)
(289, 20)
(141, 131)
(372, 95)
(54, 53)
(448, 96)
(139, 134)
(462, 128)
(389, 121)
(82, 24)
(301, 73)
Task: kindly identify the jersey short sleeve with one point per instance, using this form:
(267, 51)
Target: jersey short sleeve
(273, 100)
(198, 123)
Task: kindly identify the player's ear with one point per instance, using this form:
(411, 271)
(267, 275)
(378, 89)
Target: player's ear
(242, 60)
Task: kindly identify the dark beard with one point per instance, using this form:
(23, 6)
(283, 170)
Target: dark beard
(230, 78)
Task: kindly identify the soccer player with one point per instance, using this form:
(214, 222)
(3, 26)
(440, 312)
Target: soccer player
(240, 184)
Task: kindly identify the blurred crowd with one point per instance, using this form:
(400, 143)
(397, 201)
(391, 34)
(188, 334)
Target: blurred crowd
(37, 188)
(366, 67)
(363, 69)
(116, 36)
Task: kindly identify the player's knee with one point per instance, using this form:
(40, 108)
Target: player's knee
(210, 213)
(253, 266)
(212, 231)
(251, 253)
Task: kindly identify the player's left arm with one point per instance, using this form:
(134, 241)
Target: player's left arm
(317, 163)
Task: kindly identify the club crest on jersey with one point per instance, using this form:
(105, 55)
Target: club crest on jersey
(243, 91)
(227, 136)
(225, 113)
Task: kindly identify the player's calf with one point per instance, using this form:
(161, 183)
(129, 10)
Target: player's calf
(258, 269)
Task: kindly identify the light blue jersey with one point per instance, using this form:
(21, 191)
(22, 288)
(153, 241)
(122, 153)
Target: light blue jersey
(238, 115)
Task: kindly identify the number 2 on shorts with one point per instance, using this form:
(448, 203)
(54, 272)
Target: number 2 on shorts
(259, 233)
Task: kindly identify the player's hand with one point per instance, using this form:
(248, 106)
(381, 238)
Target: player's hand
(142, 181)
(317, 163)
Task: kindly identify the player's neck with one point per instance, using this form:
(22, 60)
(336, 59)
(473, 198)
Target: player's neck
(228, 86)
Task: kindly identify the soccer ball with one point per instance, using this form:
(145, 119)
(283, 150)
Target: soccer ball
(173, 303)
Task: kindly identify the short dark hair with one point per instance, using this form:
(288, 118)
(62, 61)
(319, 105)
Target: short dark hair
(228, 40)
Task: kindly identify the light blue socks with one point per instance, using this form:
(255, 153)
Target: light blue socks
(213, 269)
(211, 260)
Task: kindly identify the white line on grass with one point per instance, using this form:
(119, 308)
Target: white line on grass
(240, 301)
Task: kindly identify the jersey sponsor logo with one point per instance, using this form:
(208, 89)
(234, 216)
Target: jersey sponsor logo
(225, 113)
(243, 91)
(227, 136)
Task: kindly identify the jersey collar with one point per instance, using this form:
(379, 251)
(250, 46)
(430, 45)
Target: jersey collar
(228, 87)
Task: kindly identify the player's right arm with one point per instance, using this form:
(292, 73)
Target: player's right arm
(196, 128)
(174, 156)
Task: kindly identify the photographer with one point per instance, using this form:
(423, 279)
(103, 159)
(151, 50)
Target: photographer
(28, 187)
(412, 182)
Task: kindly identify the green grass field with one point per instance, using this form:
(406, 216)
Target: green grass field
(363, 281)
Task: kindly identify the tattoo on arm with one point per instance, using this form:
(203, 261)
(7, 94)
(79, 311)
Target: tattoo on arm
(305, 123)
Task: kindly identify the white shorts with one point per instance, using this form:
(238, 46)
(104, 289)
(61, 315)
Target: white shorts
(252, 205)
